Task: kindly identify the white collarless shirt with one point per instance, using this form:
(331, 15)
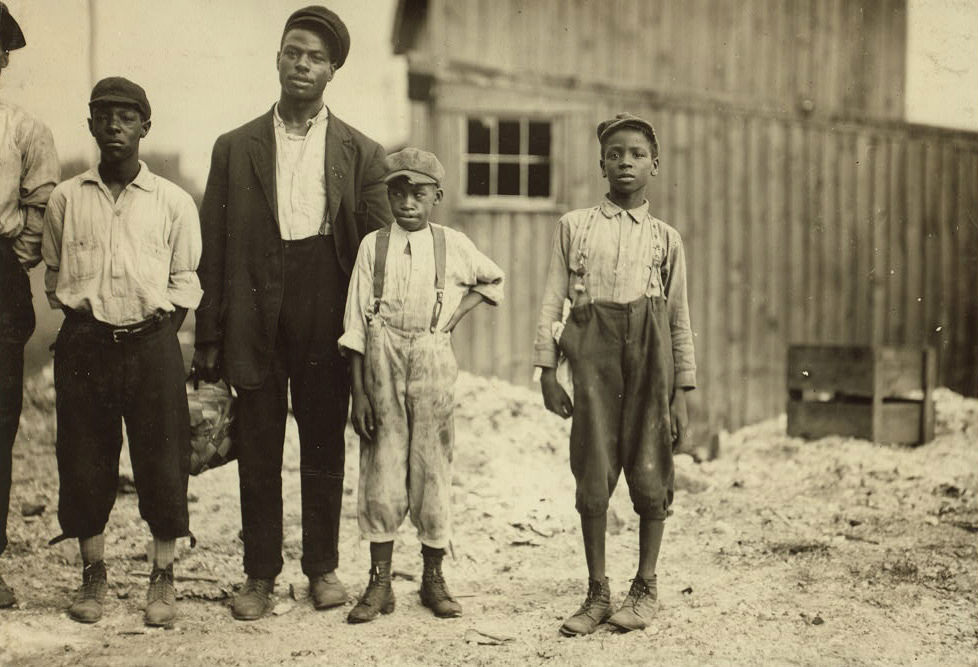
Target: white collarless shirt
(300, 178)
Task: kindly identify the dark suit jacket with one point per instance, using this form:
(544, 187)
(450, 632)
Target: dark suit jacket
(241, 267)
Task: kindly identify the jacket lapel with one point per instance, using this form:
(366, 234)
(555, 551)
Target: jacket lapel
(262, 151)
(339, 157)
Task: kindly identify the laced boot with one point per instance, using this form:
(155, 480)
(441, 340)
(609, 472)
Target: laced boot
(254, 600)
(87, 605)
(378, 598)
(7, 597)
(434, 592)
(161, 598)
(639, 607)
(595, 610)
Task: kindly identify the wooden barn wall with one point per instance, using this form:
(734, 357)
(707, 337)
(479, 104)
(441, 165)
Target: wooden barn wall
(826, 57)
(795, 231)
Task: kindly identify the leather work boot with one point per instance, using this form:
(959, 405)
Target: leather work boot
(254, 600)
(434, 592)
(378, 598)
(639, 607)
(326, 590)
(7, 597)
(595, 610)
(87, 605)
(161, 598)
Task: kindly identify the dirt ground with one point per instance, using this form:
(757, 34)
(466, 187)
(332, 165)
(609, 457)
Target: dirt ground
(781, 551)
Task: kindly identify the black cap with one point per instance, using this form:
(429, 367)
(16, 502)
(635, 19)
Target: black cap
(626, 119)
(326, 23)
(116, 89)
(11, 36)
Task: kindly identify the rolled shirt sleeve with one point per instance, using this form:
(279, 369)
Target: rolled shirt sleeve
(183, 288)
(53, 227)
(40, 173)
(554, 293)
(359, 296)
(485, 276)
(679, 326)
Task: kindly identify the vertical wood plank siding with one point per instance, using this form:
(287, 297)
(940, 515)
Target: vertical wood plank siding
(841, 56)
(796, 231)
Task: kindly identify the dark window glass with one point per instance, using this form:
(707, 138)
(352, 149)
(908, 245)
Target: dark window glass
(478, 136)
(509, 179)
(540, 139)
(478, 179)
(509, 137)
(539, 181)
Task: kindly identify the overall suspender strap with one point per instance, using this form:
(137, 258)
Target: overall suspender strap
(583, 233)
(380, 265)
(438, 234)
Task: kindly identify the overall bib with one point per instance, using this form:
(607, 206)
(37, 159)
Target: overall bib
(621, 358)
(409, 377)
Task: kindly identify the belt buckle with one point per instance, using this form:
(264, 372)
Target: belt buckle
(119, 335)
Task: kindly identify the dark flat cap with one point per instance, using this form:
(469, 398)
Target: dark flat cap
(116, 89)
(420, 167)
(605, 128)
(11, 36)
(328, 24)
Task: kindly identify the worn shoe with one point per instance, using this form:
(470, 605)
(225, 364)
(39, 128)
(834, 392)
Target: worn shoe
(88, 602)
(434, 592)
(326, 590)
(7, 597)
(254, 600)
(161, 598)
(595, 610)
(378, 598)
(639, 607)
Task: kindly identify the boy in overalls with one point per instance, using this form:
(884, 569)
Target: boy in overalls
(413, 282)
(630, 349)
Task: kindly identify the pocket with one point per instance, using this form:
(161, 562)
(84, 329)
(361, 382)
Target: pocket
(82, 255)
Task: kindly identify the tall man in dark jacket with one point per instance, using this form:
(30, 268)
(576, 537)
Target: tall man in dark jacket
(288, 199)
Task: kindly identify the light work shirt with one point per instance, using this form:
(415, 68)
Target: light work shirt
(121, 260)
(620, 269)
(409, 282)
(29, 170)
(300, 178)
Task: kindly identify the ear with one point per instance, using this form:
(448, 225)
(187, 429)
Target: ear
(655, 167)
(604, 174)
(91, 129)
(439, 194)
(278, 59)
(4, 58)
(332, 71)
(144, 128)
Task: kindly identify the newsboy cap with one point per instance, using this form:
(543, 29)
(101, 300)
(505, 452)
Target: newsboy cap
(121, 91)
(328, 24)
(420, 167)
(605, 128)
(11, 36)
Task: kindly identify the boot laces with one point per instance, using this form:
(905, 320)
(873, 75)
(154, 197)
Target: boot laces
(160, 585)
(92, 583)
(640, 588)
(594, 595)
(261, 586)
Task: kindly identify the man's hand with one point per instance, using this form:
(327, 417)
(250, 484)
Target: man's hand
(679, 419)
(469, 301)
(363, 415)
(206, 365)
(554, 397)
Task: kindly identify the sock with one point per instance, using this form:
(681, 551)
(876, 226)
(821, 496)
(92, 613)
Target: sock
(381, 552)
(649, 540)
(431, 552)
(92, 549)
(593, 530)
(165, 551)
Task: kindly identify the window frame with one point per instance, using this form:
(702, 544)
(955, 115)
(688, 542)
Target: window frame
(494, 158)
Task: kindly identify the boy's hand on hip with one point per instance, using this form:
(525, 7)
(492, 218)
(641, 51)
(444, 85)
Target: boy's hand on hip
(679, 419)
(363, 415)
(469, 301)
(554, 397)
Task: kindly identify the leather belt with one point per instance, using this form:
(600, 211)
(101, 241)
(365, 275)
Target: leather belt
(120, 334)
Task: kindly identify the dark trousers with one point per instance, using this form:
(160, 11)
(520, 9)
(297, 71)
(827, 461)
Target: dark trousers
(621, 358)
(307, 358)
(16, 326)
(100, 383)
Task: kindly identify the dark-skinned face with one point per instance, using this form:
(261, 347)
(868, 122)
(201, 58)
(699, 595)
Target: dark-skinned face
(117, 129)
(304, 65)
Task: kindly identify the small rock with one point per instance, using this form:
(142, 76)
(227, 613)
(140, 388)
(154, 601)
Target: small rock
(931, 520)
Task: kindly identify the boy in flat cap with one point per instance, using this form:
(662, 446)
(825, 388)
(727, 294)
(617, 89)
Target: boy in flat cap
(288, 199)
(630, 349)
(121, 247)
(28, 172)
(412, 284)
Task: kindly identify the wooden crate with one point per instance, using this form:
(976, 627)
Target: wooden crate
(882, 393)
